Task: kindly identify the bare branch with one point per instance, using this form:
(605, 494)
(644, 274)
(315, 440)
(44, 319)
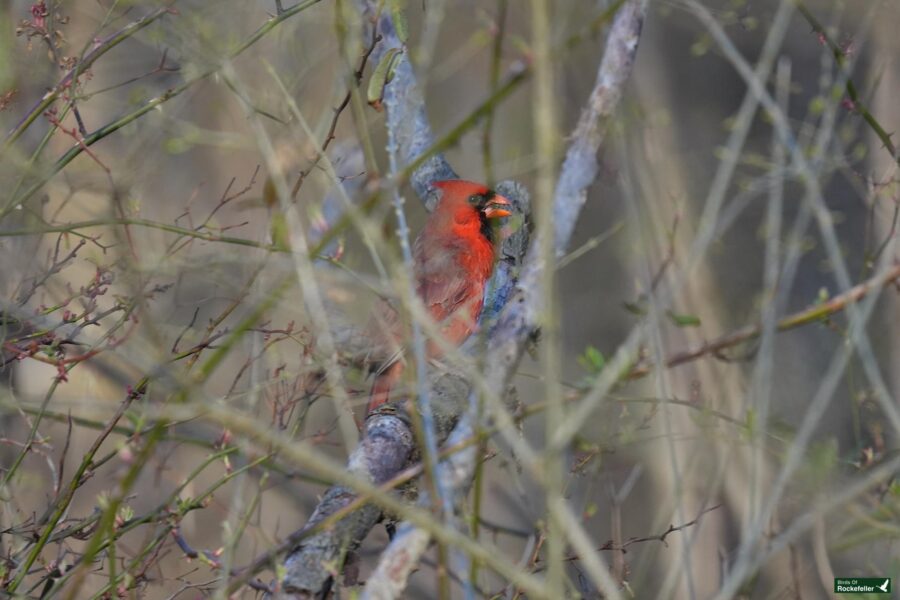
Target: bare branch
(579, 170)
(817, 312)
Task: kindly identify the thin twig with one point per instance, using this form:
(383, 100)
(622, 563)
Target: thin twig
(816, 313)
(855, 102)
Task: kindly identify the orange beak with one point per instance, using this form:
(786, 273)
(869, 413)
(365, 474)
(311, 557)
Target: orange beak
(495, 210)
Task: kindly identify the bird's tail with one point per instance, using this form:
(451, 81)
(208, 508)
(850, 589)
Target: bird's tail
(385, 380)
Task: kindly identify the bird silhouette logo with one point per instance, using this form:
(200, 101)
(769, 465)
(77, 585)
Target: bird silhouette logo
(884, 586)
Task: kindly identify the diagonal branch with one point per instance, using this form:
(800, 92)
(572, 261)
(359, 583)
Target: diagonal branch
(812, 314)
(384, 451)
(402, 556)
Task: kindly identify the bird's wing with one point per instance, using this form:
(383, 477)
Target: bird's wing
(441, 282)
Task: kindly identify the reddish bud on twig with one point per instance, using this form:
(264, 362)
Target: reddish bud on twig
(39, 14)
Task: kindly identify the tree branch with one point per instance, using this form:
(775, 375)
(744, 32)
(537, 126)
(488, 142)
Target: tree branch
(403, 554)
(816, 312)
(384, 450)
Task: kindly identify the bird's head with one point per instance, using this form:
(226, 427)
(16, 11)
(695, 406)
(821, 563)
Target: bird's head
(470, 205)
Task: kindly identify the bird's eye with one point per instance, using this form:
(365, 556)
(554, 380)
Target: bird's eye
(475, 200)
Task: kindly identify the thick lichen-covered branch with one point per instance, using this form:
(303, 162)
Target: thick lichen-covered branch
(384, 450)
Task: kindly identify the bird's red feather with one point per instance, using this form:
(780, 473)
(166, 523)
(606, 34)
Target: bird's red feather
(453, 259)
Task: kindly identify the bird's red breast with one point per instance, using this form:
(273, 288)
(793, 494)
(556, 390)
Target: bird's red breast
(453, 259)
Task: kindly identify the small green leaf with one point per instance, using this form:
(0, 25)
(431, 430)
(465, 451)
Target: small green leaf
(750, 423)
(280, 571)
(817, 105)
(701, 46)
(126, 513)
(837, 91)
(635, 308)
(177, 145)
(280, 232)
(398, 16)
(592, 360)
(894, 489)
(382, 76)
(822, 460)
(683, 320)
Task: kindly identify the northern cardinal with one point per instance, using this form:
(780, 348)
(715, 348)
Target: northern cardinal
(453, 259)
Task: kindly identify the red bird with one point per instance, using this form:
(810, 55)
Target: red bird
(453, 259)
